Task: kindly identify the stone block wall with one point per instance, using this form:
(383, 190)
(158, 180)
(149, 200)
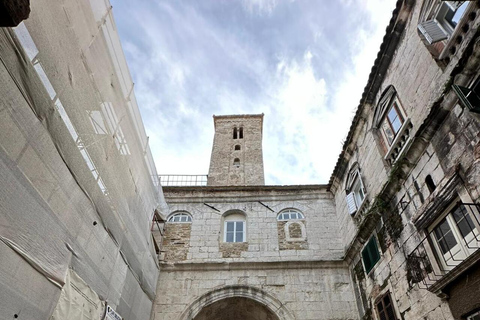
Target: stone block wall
(249, 171)
(444, 141)
(265, 240)
(176, 241)
(291, 236)
(321, 291)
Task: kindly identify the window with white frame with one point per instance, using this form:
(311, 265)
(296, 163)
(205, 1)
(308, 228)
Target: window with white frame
(392, 122)
(455, 235)
(474, 316)
(355, 190)
(444, 18)
(234, 231)
(394, 128)
(234, 228)
(290, 214)
(180, 217)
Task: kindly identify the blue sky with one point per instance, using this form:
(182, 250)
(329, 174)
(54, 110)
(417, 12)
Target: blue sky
(304, 64)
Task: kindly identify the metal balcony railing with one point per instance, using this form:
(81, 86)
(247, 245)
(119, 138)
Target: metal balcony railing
(446, 247)
(177, 180)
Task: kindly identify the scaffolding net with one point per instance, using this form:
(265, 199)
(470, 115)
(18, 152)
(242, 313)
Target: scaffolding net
(79, 186)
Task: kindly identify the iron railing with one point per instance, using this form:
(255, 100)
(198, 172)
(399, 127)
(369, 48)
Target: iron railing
(177, 180)
(444, 250)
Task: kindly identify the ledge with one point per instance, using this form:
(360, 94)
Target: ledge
(453, 274)
(216, 266)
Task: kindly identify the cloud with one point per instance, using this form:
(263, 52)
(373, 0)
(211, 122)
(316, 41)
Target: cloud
(303, 64)
(259, 6)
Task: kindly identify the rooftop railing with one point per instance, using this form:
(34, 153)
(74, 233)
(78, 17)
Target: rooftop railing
(182, 180)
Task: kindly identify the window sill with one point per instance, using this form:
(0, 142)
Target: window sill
(400, 143)
(450, 44)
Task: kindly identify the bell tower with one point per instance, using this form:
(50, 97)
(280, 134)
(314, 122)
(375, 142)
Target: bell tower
(237, 156)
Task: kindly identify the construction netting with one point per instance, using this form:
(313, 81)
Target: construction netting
(78, 184)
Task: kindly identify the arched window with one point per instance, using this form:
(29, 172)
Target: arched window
(237, 147)
(290, 214)
(236, 162)
(240, 134)
(235, 133)
(234, 228)
(430, 184)
(180, 217)
(393, 126)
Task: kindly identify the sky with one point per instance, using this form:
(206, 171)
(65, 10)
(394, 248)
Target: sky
(303, 64)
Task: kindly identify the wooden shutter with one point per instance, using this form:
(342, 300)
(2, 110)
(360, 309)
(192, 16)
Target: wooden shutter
(432, 31)
(352, 207)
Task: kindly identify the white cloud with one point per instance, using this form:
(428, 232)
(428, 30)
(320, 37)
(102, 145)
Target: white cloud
(260, 6)
(189, 64)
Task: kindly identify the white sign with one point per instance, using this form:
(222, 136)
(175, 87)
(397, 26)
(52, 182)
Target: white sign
(112, 314)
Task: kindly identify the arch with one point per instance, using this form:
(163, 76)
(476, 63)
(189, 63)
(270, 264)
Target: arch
(237, 147)
(180, 217)
(241, 291)
(290, 214)
(388, 95)
(236, 162)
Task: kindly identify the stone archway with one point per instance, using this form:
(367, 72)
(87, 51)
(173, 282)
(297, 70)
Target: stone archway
(240, 302)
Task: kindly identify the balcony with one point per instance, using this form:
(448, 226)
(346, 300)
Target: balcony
(450, 248)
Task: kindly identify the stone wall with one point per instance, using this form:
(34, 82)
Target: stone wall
(291, 236)
(320, 291)
(444, 136)
(261, 205)
(176, 241)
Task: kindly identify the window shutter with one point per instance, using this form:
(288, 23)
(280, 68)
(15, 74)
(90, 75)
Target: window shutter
(432, 31)
(361, 184)
(454, 4)
(352, 207)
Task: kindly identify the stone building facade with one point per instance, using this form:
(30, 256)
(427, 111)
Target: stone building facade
(395, 232)
(284, 260)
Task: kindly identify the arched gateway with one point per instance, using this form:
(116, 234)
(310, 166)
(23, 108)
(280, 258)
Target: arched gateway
(237, 302)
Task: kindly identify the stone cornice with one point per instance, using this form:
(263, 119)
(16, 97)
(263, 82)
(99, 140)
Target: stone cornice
(222, 266)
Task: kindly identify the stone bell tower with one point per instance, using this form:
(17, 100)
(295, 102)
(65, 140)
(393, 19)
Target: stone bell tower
(237, 157)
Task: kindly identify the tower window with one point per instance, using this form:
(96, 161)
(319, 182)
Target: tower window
(237, 147)
(236, 162)
(235, 136)
(240, 134)
(430, 184)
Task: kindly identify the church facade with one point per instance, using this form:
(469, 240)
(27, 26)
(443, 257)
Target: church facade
(237, 249)
(395, 232)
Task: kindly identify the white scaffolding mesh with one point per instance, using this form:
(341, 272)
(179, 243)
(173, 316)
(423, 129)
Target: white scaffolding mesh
(79, 186)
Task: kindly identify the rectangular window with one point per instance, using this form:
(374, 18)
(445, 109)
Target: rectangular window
(475, 316)
(235, 231)
(455, 236)
(370, 254)
(392, 123)
(385, 308)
